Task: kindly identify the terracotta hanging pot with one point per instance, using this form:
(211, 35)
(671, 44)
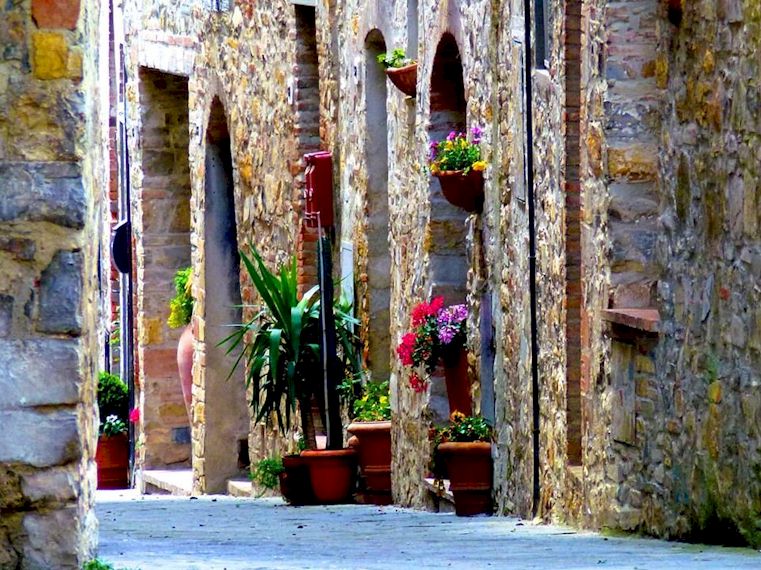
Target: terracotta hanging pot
(112, 458)
(458, 381)
(332, 473)
(469, 466)
(185, 367)
(465, 191)
(405, 78)
(374, 453)
(295, 484)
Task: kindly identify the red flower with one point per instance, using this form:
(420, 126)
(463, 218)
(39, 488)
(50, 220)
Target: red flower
(422, 311)
(417, 384)
(134, 415)
(405, 349)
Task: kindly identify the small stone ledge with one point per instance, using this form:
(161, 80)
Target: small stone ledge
(172, 482)
(646, 320)
(442, 496)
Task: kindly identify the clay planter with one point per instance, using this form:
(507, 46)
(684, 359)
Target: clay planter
(405, 78)
(470, 475)
(295, 485)
(112, 457)
(458, 382)
(332, 473)
(185, 367)
(374, 449)
(465, 191)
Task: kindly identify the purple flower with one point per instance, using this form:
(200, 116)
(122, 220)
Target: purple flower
(476, 133)
(446, 334)
(450, 322)
(452, 136)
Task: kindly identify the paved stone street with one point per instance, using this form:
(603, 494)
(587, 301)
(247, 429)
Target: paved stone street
(163, 532)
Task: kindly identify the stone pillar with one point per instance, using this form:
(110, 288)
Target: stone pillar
(51, 163)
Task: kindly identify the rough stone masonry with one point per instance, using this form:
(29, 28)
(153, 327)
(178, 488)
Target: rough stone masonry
(51, 169)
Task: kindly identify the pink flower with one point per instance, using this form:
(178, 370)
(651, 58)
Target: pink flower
(134, 415)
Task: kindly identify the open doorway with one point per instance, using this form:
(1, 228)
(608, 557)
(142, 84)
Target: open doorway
(164, 247)
(225, 425)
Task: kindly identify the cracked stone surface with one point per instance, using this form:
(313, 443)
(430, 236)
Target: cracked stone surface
(151, 532)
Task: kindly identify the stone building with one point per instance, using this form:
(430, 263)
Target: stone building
(612, 277)
(53, 129)
(643, 155)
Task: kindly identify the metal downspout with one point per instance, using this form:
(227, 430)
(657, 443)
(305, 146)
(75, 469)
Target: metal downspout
(529, 174)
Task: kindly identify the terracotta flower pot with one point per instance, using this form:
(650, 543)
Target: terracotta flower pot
(465, 191)
(112, 457)
(295, 485)
(374, 449)
(469, 465)
(458, 382)
(405, 78)
(185, 367)
(332, 473)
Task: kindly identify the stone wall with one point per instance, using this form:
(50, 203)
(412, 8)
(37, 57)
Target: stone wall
(52, 168)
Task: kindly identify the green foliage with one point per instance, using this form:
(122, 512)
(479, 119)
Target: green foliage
(464, 429)
(97, 564)
(374, 405)
(282, 358)
(113, 426)
(113, 402)
(456, 152)
(181, 305)
(396, 58)
(266, 472)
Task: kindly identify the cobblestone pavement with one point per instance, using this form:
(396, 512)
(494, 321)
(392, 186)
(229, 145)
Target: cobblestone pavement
(167, 533)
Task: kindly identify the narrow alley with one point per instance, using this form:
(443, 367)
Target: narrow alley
(151, 532)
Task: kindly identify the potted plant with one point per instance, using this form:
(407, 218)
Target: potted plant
(438, 335)
(465, 446)
(372, 428)
(112, 453)
(456, 162)
(180, 315)
(283, 369)
(401, 70)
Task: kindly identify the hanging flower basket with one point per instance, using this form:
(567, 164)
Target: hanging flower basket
(405, 78)
(465, 191)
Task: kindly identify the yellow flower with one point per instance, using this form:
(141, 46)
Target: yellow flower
(479, 166)
(448, 145)
(435, 168)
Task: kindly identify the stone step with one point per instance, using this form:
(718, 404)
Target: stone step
(177, 482)
(443, 499)
(239, 488)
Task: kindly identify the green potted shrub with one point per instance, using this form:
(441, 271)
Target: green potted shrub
(465, 446)
(180, 315)
(112, 454)
(281, 355)
(372, 429)
(401, 70)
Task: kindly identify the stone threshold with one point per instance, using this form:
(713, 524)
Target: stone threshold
(168, 482)
(648, 319)
(443, 499)
(239, 488)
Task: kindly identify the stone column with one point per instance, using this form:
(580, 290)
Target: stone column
(51, 165)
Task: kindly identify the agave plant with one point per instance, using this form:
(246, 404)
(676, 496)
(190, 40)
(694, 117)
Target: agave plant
(282, 357)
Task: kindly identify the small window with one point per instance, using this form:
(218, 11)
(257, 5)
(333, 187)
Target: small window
(542, 30)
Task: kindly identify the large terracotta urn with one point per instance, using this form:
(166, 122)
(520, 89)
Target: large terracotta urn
(185, 367)
(469, 465)
(374, 448)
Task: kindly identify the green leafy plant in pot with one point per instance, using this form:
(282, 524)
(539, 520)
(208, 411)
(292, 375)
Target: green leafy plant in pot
(112, 454)
(180, 315)
(281, 347)
(401, 70)
(372, 430)
(465, 446)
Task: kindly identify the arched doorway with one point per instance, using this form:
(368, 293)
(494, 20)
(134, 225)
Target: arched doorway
(378, 254)
(448, 261)
(225, 426)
